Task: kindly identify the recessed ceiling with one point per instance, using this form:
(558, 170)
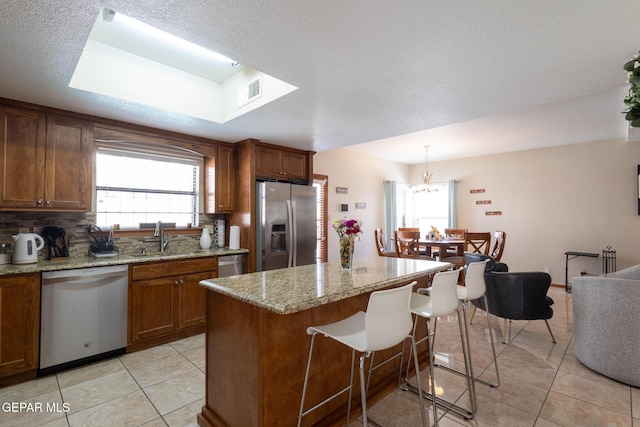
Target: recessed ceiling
(127, 59)
(491, 76)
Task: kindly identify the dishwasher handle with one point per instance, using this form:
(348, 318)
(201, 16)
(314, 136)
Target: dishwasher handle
(49, 277)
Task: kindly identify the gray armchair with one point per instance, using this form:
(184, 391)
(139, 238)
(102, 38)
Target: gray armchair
(515, 295)
(605, 323)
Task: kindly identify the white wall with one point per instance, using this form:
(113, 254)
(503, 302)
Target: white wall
(580, 197)
(363, 175)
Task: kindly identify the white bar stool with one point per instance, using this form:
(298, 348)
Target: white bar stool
(442, 301)
(386, 323)
(476, 288)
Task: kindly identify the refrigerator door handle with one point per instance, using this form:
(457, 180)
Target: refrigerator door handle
(291, 234)
(294, 235)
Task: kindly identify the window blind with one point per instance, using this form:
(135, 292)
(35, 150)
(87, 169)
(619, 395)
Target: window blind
(321, 183)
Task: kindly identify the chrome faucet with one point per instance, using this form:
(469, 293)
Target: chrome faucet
(160, 233)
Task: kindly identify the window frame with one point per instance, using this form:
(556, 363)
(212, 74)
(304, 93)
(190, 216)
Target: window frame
(159, 152)
(321, 182)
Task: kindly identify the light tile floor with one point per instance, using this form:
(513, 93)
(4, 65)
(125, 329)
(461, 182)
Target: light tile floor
(542, 384)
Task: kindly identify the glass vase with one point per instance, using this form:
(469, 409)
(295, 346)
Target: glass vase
(346, 251)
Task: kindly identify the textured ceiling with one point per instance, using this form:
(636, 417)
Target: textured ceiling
(466, 78)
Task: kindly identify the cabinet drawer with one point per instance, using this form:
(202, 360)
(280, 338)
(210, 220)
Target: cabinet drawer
(173, 268)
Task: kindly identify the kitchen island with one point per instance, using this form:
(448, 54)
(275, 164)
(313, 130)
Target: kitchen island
(257, 345)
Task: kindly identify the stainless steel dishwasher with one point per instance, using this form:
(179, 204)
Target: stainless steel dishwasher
(231, 265)
(83, 316)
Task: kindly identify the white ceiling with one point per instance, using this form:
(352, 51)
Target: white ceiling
(466, 78)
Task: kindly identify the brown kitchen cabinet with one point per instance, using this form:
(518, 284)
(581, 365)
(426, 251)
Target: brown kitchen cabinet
(257, 160)
(153, 308)
(280, 163)
(219, 181)
(166, 301)
(192, 306)
(19, 326)
(46, 161)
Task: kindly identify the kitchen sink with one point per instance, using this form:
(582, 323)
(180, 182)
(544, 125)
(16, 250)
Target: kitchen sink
(149, 254)
(141, 255)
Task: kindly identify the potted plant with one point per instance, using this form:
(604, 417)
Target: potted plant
(632, 101)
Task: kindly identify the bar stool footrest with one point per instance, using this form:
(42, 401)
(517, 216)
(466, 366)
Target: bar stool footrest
(459, 410)
(464, 375)
(328, 399)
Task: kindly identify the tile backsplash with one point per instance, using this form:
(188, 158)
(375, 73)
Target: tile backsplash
(75, 225)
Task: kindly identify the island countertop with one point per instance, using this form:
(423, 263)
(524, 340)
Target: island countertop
(257, 341)
(290, 290)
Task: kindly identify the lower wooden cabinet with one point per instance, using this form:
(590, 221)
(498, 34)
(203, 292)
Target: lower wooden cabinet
(192, 303)
(153, 308)
(166, 301)
(19, 324)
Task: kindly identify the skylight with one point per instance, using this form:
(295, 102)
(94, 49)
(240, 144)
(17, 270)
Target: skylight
(127, 59)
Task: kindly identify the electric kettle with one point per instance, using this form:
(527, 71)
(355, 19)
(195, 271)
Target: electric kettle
(26, 247)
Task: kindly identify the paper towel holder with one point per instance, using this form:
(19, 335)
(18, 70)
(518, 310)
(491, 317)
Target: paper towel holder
(234, 237)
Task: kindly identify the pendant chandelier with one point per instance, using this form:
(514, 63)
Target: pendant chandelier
(426, 175)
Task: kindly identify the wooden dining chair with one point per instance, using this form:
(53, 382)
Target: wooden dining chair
(407, 245)
(498, 247)
(454, 233)
(475, 243)
(425, 250)
(382, 251)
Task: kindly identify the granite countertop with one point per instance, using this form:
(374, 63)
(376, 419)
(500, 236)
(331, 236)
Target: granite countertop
(290, 290)
(90, 261)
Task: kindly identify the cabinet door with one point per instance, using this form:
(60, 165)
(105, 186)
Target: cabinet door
(224, 180)
(22, 157)
(68, 164)
(268, 162)
(192, 299)
(153, 307)
(19, 323)
(294, 165)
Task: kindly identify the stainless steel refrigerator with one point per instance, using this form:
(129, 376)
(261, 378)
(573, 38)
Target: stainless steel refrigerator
(286, 229)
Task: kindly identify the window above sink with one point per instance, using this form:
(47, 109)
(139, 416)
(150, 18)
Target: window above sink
(143, 185)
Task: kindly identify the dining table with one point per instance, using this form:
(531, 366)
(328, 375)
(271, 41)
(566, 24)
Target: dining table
(442, 245)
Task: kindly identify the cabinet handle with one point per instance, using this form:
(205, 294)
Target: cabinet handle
(175, 282)
(220, 206)
(48, 202)
(181, 282)
(39, 202)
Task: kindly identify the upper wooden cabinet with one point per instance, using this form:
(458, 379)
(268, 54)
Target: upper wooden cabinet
(280, 163)
(45, 160)
(219, 181)
(255, 160)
